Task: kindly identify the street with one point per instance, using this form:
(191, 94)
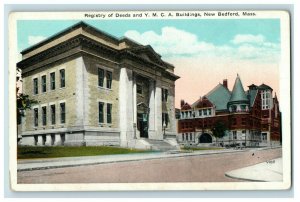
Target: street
(204, 168)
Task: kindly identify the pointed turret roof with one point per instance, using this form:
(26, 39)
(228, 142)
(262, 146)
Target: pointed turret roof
(238, 93)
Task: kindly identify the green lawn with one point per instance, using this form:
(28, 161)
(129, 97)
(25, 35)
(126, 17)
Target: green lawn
(27, 152)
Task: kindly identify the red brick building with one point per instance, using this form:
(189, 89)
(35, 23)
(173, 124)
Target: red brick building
(250, 118)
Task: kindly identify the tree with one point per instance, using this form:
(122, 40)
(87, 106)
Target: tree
(219, 130)
(23, 102)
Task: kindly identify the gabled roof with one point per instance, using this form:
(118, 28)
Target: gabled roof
(202, 103)
(264, 87)
(186, 106)
(252, 87)
(238, 93)
(219, 96)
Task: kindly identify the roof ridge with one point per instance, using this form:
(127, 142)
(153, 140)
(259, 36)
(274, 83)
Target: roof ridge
(214, 89)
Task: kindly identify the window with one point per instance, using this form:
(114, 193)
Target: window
(234, 108)
(182, 137)
(43, 139)
(52, 81)
(100, 77)
(187, 137)
(62, 78)
(53, 118)
(243, 108)
(164, 95)
(165, 119)
(44, 115)
(108, 110)
(52, 139)
(234, 136)
(101, 110)
(191, 136)
(62, 113)
(234, 121)
(35, 86)
(44, 84)
(36, 139)
(200, 112)
(243, 121)
(208, 111)
(139, 89)
(264, 136)
(36, 117)
(266, 100)
(204, 112)
(108, 79)
(63, 138)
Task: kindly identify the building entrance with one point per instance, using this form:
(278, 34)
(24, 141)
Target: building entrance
(142, 124)
(205, 138)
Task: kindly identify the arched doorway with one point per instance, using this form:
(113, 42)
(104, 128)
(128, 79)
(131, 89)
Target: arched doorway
(205, 138)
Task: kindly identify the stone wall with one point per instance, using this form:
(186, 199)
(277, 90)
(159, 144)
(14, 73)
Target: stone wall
(50, 97)
(95, 94)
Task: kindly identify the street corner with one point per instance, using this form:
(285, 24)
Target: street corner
(268, 171)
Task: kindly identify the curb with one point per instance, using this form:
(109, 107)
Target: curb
(244, 179)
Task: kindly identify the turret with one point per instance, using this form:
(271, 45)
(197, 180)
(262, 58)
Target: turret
(238, 101)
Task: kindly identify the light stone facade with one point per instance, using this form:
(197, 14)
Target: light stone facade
(111, 113)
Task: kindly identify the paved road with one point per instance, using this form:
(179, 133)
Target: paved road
(209, 168)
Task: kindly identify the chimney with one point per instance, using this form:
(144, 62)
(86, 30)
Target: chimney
(181, 103)
(225, 83)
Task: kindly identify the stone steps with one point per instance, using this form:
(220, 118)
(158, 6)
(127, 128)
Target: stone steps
(160, 145)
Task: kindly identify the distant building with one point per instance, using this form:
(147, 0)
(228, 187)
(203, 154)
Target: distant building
(95, 89)
(252, 117)
(19, 88)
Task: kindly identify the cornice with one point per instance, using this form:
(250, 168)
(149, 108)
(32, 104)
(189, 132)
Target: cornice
(80, 44)
(63, 47)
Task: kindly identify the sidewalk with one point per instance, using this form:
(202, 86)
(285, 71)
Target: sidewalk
(39, 164)
(270, 171)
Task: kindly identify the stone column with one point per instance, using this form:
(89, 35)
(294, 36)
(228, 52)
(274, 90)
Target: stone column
(134, 105)
(158, 111)
(126, 106)
(152, 122)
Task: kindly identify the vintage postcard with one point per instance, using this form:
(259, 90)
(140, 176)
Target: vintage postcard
(151, 100)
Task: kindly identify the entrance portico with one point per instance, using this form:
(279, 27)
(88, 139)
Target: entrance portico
(140, 107)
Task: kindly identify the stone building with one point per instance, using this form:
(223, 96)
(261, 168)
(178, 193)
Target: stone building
(96, 89)
(250, 118)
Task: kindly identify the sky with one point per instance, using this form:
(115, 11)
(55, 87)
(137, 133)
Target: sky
(204, 52)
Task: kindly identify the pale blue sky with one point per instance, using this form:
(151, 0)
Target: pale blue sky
(217, 32)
